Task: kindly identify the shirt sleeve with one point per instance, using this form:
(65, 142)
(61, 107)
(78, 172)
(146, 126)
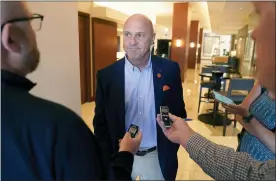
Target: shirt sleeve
(223, 163)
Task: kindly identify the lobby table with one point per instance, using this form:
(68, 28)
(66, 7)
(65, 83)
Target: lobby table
(215, 118)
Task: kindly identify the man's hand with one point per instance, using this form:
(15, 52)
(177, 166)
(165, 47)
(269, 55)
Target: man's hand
(236, 109)
(131, 144)
(179, 132)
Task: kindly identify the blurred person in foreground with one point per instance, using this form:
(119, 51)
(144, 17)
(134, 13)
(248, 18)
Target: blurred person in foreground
(257, 112)
(220, 162)
(42, 140)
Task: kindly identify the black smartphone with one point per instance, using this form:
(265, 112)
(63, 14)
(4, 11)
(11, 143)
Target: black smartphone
(164, 112)
(133, 130)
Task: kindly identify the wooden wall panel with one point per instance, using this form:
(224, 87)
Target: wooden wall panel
(193, 38)
(180, 30)
(104, 38)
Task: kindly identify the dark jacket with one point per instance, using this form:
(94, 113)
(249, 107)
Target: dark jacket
(42, 140)
(109, 120)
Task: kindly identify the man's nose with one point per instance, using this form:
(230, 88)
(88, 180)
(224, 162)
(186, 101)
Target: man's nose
(133, 41)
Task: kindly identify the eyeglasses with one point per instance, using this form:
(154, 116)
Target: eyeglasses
(35, 21)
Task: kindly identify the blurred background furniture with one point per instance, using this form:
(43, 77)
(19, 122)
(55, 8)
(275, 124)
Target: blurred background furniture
(213, 117)
(220, 59)
(233, 62)
(237, 91)
(208, 84)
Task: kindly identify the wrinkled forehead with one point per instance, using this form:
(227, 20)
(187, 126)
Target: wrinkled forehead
(137, 26)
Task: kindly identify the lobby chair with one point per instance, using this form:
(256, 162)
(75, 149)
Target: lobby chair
(208, 84)
(234, 63)
(224, 70)
(237, 91)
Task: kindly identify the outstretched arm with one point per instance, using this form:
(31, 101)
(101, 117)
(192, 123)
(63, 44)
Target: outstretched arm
(223, 163)
(220, 162)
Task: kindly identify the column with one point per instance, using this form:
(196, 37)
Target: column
(180, 36)
(233, 38)
(199, 45)
(193, 44)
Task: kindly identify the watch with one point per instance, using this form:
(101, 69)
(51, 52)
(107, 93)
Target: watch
(248, 118)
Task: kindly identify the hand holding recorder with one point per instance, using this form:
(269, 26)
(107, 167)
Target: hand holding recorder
(132, 140)
(179, 131)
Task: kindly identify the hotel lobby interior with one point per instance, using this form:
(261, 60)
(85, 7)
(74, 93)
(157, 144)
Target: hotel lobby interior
(199, 36)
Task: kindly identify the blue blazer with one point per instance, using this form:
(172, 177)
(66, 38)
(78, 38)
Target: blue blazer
(109, 120)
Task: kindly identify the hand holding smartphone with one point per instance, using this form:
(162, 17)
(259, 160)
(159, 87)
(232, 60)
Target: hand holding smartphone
(222, 99)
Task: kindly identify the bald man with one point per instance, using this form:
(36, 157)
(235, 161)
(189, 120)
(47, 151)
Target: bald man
(131, 91)
(42, 140)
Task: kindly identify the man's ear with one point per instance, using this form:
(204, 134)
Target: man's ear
(153, 38)
(11, 38)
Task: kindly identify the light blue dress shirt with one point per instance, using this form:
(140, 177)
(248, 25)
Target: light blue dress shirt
(140, 102)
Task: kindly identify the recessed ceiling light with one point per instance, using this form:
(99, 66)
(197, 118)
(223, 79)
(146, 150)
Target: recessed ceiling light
(240, 8)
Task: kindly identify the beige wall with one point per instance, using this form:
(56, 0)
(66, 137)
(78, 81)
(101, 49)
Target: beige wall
(58, 75)
(85, 7)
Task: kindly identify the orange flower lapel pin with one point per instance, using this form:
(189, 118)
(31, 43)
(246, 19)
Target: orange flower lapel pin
(159, 75)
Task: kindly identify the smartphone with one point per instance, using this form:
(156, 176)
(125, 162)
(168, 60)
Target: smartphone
(133, 130)
(222, 98)
(164, 112)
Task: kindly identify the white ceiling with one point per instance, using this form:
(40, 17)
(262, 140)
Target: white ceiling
(229, 17)
(147, 8)
(160, 13)
(199, 11)
(220, 17)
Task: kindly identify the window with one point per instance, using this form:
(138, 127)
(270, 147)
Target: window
(211, 45)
